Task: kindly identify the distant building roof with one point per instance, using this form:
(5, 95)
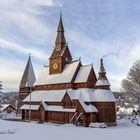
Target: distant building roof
(4, 106)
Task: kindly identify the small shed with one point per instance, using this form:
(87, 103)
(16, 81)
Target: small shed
(7, 108)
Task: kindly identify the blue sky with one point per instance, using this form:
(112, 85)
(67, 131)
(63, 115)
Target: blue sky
(93, 29)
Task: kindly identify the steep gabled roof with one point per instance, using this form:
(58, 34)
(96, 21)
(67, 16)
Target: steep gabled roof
(28, 77)
(4, 106)
(87, 108)
(83, 74)
(46, 95)
(65, 77)
(60, 53)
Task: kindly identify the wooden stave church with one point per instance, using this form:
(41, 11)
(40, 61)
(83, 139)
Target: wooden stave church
(66, 91)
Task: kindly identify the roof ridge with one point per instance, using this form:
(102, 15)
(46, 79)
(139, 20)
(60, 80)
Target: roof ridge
(86, 65)
(46, 65)
(74, 61)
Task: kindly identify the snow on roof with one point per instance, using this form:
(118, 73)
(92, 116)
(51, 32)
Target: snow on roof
(64, 77)
(82, 95)
(83, 74)
(88, 95)
(44, 95)
(92, 95)
(57, 108)
(27, 107)
(31, 76)
(4, 106)
(87, 108)
(75, 94)
(102, 82)
(102, 95)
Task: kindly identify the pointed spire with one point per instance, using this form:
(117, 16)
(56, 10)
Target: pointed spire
(60, 39)
(28, 77)
(102, 82)
(102, 72)
(102, 69)
(60, 25)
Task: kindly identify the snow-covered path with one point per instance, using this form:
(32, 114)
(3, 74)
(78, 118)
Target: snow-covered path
(31, 131)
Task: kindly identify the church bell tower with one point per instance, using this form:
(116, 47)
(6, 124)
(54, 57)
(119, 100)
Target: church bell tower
(61, 54)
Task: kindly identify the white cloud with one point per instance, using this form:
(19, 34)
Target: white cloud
(10, 78)
(115, 81)
(18, 48)
(29, 24)
(135, 52)
(10, 73)
(18, 16)
(28, 2)
(39, 2)
(86, 43)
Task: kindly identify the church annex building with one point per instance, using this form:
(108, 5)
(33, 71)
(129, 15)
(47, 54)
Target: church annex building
(66, 91)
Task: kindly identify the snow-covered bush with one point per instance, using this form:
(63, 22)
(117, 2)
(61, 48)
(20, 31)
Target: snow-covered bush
(97, 125)
(124, 112)
(138, 123)
(5, 115)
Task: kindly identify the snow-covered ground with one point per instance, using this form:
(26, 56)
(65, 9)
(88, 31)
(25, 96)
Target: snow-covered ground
(11, 130)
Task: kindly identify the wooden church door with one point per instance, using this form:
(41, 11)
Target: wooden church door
(42, 115)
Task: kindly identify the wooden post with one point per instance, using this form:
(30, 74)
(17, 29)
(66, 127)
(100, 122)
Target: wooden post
(30, 104)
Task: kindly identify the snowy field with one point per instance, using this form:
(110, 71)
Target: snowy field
(11, 130)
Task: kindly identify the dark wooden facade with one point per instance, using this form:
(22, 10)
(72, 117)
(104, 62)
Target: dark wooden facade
(62, 117)
(61, 57)
(106, 113)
